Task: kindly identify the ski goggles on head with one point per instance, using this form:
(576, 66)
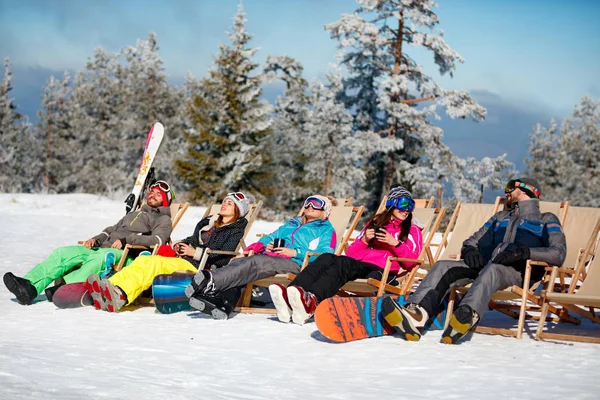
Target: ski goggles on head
(162, 185)
(238, 195)
(314, 202)
(165, 188)
(515, 184)
(401, 203)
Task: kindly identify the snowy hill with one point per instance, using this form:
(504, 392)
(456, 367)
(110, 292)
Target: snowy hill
(139, 354)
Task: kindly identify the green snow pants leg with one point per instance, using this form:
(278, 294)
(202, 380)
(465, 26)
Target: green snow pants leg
(61, 260)
(94, 264)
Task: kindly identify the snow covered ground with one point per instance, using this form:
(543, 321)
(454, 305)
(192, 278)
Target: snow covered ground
(87, 354)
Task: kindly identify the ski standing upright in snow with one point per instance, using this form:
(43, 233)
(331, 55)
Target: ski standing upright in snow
(146, 174)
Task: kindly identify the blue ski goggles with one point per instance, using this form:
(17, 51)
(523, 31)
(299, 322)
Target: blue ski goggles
(401, 203)
(314, 202)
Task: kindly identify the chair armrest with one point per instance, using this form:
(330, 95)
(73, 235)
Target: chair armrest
(232, 253)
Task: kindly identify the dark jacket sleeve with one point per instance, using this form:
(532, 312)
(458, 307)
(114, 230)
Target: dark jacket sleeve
(231, 238)
(483, 239)
(159, 233)
(556, 251)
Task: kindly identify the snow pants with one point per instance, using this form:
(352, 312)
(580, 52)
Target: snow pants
(61, 260)
(328, 273)
(248, 269)
(446, 275)
(138, 276)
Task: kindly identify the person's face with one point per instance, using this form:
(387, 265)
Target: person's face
(312, 214)
(155, 198)
(401, 215)
(227, 208)
(515, 196)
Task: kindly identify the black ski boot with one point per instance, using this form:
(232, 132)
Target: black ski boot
(199, 283)
(51, 290)
(463, 321)
(216, 306)
(23, 290)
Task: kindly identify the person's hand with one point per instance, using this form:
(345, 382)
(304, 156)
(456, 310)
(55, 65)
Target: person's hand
(269, 247)
(117, 244)
(384, 237)
(284, 251)
(369, 234)
(185, 249)
(472, 257)
(89, 243)
(512, 255)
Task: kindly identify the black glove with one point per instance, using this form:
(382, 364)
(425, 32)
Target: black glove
(472, 257)
(512, 255)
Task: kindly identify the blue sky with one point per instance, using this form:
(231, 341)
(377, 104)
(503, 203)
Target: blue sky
(535, 57)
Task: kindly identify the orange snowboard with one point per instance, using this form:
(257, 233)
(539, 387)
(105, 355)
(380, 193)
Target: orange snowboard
(345, 319)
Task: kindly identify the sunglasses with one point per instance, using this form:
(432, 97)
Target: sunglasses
(314, 202)
(238, 195)
(401, 203)
(515, 184)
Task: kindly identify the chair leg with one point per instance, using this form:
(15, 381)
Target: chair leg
(450, 308)
(123, 257)
(523, 311)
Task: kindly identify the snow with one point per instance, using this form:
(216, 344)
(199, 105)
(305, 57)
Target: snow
(87, 354)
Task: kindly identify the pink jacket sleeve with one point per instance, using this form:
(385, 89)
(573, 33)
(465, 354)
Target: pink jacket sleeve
(357, 249)
(257, 247)
(412, 247)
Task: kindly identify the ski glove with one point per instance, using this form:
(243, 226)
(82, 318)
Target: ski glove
(472, 257)
(512, 254)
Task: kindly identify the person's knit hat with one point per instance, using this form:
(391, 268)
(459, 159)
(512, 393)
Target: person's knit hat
(167, 195)
(398, 192)
(241, 201)
(532, 188)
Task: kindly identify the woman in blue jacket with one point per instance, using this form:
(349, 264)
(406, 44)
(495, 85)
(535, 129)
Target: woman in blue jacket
(216, 292)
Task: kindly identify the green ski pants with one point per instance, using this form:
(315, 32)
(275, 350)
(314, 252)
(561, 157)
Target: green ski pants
(61, 260)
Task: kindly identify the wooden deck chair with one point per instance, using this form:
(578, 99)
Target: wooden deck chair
(431, 218)
(177, 211)
(344, 217)
(519, 303)
(466, 219)
(584, 291)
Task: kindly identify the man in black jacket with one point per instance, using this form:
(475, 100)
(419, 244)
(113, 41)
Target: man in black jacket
(493, 258)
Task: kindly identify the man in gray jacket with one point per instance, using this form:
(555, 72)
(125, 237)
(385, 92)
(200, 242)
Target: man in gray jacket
(494, 258)
(148, 226)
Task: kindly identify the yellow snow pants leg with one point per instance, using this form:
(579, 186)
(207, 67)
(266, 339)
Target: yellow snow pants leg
(138, 276)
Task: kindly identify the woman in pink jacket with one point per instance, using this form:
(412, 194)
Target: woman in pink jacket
(391, 233)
